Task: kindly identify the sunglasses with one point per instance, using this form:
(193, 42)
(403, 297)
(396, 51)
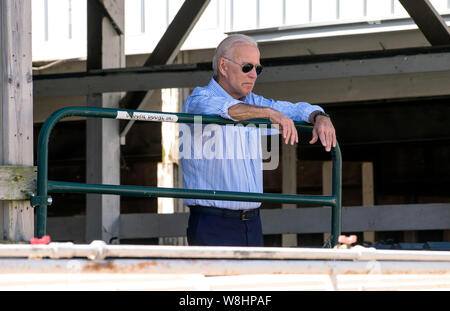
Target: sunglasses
(247, 67)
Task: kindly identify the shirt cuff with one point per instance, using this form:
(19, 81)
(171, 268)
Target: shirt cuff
(224, 110)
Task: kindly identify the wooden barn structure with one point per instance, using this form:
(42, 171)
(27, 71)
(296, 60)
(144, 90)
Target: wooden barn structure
(387, 93)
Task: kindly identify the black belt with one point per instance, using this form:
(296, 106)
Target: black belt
(243, 214)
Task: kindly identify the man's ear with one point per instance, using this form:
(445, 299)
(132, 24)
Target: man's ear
(222, 66)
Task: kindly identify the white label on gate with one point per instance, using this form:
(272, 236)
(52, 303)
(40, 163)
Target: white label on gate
(146, 116)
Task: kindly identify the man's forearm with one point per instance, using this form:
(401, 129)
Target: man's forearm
(247, 112)
(286, 124)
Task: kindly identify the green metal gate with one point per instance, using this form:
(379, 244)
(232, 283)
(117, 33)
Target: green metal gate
(44, 186)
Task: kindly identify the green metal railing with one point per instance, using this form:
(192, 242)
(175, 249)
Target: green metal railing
(41, 200)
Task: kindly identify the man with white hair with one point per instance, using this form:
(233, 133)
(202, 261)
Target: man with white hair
(236, 66)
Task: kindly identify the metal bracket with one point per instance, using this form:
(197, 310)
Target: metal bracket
(39, 200)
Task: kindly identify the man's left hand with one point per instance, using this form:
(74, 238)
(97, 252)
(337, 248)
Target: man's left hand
(324, 129)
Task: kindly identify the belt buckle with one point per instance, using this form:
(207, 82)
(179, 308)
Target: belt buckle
(243, 218)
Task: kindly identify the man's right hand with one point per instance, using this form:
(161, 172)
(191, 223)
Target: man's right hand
(287, 126)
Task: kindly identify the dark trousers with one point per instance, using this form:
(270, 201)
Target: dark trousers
(213, 229)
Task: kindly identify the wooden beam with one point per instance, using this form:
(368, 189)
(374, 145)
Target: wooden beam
(113, 10)
(165, 52)
(277, 221)
(394, 63)
(16, 111)
(179, 29)
(432, 25)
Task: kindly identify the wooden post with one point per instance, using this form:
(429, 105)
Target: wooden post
(17, 182)
(366, 188)
(105, 50)
(169, 172)
(169, 169)
(327, 187)
(368, 197)
(289, 185)
(16, 110)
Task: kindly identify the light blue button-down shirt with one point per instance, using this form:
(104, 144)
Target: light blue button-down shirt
(227, 158)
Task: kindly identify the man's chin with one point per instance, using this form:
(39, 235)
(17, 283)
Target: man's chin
(248, 90)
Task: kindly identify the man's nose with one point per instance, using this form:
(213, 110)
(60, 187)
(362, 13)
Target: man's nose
(252, 73)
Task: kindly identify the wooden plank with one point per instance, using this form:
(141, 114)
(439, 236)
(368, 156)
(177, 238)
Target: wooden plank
(309, 220)
(153, 225)
(279, 221)
(16, 110)
(368, 195)
(327, 186)
(289, 184)
(16, 182)
(67, 228)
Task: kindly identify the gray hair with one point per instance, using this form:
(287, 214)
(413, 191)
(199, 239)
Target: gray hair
(225, 48)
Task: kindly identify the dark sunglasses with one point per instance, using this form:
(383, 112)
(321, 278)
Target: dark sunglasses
(247, 67)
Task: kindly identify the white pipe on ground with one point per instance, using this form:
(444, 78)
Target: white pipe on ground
(100, 250)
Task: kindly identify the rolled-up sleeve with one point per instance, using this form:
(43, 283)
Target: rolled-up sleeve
(299, 111)
(202, 102)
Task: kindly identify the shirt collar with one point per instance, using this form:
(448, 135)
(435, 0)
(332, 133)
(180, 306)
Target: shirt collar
(218, 90)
